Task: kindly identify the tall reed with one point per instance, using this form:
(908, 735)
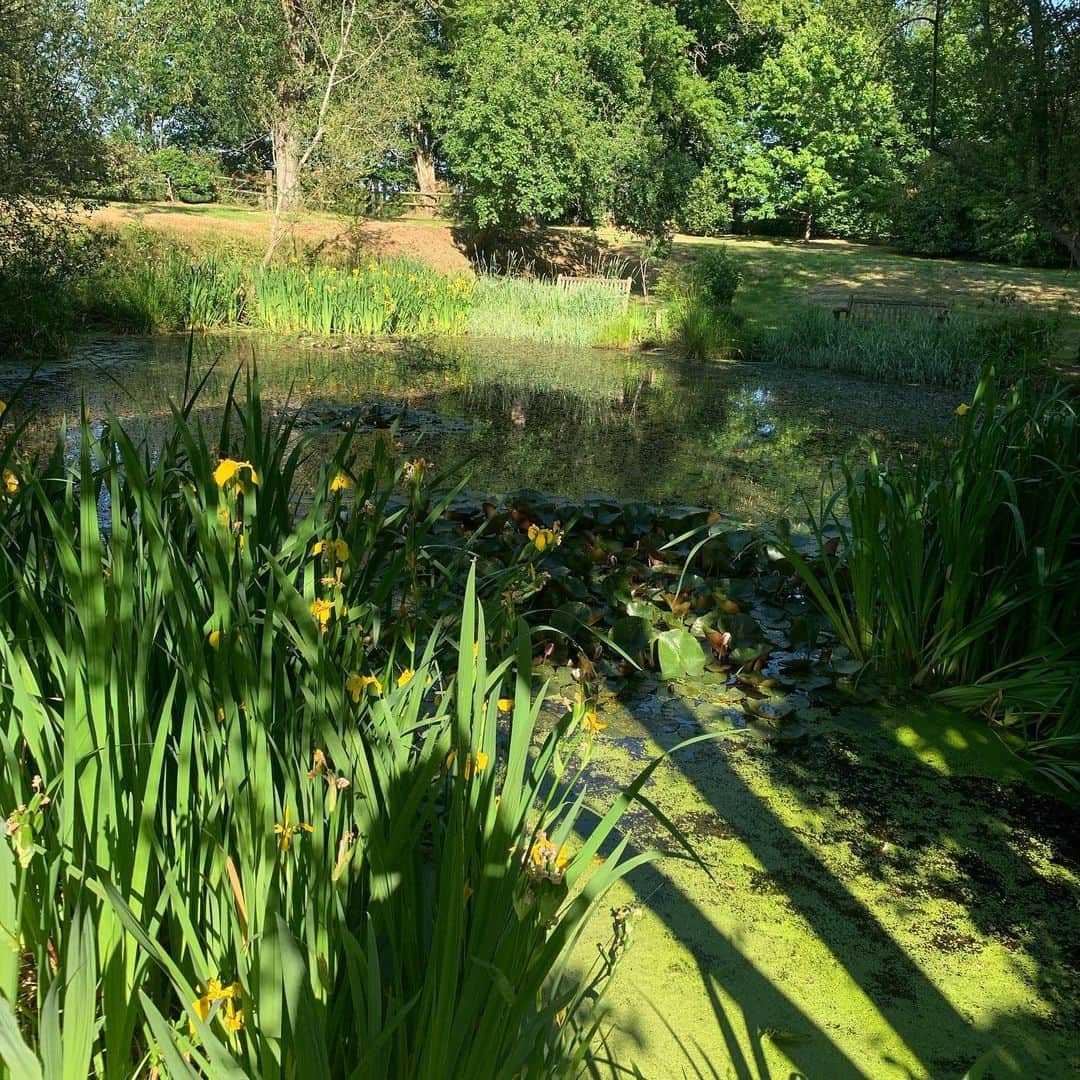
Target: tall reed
(962, 570)
(950, 353)
(267, 815)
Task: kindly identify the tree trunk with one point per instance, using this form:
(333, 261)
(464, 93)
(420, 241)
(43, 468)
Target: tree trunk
(286, 182)
(424, 163)
(808, 231)
(286, 167)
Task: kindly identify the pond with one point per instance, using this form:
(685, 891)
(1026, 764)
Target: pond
(741, 438)
(884, 898)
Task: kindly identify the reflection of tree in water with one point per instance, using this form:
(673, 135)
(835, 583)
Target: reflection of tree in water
(742, 439)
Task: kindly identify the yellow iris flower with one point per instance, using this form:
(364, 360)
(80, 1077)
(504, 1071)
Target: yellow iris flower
(593, 723)
(286, 830)
(228, 471)
(358, 685)
(322, 610)
(336, 549)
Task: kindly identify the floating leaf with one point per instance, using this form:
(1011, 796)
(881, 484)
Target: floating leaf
(679, 654)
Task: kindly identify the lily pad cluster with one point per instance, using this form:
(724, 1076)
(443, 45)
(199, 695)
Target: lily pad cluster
(620, 591)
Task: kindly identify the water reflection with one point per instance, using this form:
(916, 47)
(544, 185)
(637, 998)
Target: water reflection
(745, 439)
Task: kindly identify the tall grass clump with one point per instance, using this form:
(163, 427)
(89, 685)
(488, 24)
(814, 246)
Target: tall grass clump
(952, 352)
(267, 815)
(538, 310)
(961, 571)
(389, 297)
(146, 284)
(699, 297)
(152, 284)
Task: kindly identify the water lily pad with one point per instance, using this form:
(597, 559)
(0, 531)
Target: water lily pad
(772, 710)
(679, 653)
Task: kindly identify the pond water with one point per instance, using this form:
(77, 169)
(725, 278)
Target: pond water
(744, 439)
(885, 900)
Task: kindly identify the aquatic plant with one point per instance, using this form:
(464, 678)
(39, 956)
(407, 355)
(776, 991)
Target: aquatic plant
(961, 570)
(266, 813)
(949, 353)
(539, 310)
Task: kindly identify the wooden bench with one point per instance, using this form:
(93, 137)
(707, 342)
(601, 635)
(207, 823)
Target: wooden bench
(620, 286)
(890, 308)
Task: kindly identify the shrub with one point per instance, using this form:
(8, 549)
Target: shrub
(42, 260)
(190, 176)
(706, 211)
(717, 273)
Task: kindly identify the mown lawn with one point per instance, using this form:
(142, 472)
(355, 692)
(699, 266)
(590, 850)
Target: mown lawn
(781, 274)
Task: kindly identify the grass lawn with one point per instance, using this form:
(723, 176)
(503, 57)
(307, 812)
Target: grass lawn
(781, 274)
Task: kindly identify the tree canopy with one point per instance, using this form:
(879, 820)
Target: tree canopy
(942, 125)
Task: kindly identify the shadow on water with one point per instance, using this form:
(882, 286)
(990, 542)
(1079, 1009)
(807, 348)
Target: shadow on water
(851, 803)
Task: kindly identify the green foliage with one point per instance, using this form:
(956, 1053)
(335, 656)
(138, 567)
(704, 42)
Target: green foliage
(698, 299)
(700, 330)
(43, 261)
(191, 176)
(561, 111)
(942, 213)
(538, 310)
(961, 571)
(716, 272)
(922, 349)
(49, 153)
(707, 210)
(265, 818)
(828, 145)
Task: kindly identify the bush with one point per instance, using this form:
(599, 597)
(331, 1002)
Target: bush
(962, 573)
(950, 353)
(43, 258)
(706, 211)
(943, 213)
(717, 273)
(189, 176)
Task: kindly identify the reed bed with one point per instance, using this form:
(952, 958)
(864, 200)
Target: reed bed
(538, 310)
(168, 288)
(961, 571)
(274, 807)
(148, 284)
(950, 353)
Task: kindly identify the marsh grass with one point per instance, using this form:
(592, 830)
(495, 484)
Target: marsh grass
(961, 571)
(538, 310)
(268, 812)
(163, 286)
(949, 353)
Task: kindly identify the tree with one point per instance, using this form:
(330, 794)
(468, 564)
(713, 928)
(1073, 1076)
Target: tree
(822, 132)
(573, 110)
(49, 152)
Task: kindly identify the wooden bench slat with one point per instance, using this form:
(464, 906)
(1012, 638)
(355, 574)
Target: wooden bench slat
(569, 283)
(893, 307)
